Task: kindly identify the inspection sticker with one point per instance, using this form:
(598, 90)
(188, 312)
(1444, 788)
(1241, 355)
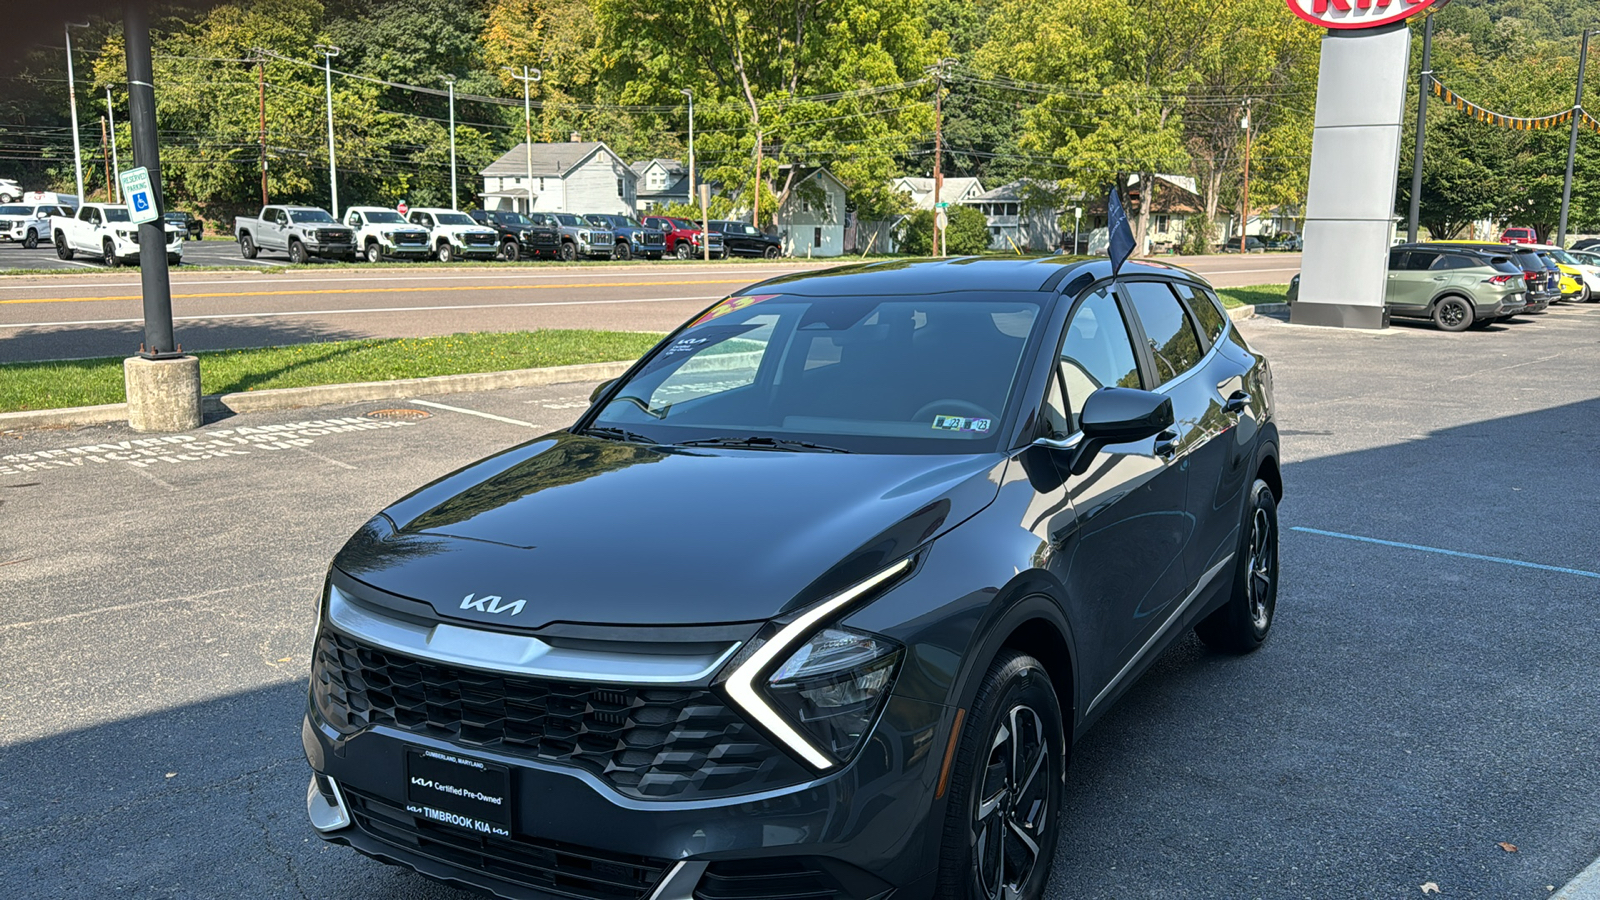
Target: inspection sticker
(958, 423)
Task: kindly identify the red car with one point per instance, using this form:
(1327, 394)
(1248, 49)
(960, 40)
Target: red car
(1519, 234)
(683, 237)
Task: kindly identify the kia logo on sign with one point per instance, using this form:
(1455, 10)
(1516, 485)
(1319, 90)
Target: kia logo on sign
(1356, 13)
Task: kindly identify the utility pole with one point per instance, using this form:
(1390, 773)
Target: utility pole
(1244, 218)
(693, 191)
(105, 157)
(72, 103)
(116, 167)
(938, 153)
(1426, 87)
(528, 78)
(1572, 143)
(261, 86)
(328, 52)
(450, 82)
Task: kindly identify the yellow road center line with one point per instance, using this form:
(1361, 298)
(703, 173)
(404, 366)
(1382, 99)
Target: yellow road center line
(389, 290)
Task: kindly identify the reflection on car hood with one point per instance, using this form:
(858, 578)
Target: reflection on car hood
(590, 530)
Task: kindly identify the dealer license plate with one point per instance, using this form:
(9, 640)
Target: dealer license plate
(458, 790)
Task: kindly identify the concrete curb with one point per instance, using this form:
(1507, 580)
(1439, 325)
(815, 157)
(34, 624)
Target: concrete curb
(1586, 886)
(322, 395)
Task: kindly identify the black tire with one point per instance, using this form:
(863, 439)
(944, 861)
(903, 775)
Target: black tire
(569, 251)
(510, 252)
(1243, 622)
(770, 253)
(31, 242)
(247, 247)
(297, 253)
(174, 259)
(1453, 314)
(108, 253)
(684, 251)
(622, 250)
(7, 198)
(374, 252)
(445, 253)
(63, 249)
(982, 858)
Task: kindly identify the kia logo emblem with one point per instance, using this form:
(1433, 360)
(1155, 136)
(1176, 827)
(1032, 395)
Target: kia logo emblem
(1356, 13)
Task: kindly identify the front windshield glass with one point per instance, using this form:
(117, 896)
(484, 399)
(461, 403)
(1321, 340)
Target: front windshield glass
(568, 219)
(454, 218)
(312, 217)
(913, 374)
(13, 211)
(383, 217)
(598, 221)
(512, 219)
(629, 221)
(1562, 257)
(116, 214)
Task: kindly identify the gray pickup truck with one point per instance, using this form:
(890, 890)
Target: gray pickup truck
(581, 239)
(300, 231)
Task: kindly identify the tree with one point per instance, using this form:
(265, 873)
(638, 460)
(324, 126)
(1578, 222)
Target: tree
(967, 235)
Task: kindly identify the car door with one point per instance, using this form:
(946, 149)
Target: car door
(1408, 286)
(88, 234)
(1116, 534)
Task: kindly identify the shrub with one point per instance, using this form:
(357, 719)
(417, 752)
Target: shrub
(968, 233)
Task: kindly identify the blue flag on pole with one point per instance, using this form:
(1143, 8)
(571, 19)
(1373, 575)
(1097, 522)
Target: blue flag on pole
(1121, 234)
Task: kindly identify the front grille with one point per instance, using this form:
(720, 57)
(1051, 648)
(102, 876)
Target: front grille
(657, 239)
(411, 238)
(645, 741)
(552, 866)
(544, 238)
(480, 240)
(333, 236)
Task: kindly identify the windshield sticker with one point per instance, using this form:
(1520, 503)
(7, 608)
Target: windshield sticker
(691, 343)
(732, 304)
(958, 423)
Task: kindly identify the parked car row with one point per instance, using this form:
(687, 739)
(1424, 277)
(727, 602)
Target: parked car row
(376, 233)
(1460, 284)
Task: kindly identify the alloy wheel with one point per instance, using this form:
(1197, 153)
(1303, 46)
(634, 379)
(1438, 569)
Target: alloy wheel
(1012, 806)
(1262, 559)
(1452, 315)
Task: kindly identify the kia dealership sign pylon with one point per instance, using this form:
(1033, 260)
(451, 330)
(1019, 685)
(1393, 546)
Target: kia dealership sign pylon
(1355, 153)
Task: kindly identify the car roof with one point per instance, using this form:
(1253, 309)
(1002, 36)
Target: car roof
(959, 274)
(371, 209)
(1480, 246)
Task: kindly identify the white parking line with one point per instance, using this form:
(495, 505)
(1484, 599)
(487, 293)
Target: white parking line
(473, 412)
(1586, 886)
(1457, 553)
(345, 312)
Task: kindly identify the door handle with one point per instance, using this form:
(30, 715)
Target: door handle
(1166, 445)
(1238, 402)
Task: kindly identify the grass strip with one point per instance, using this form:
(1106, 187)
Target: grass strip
(90, 382)
(1253, 295)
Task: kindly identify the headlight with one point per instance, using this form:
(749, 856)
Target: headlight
(583, 236)
(525, 235)
(822, 699)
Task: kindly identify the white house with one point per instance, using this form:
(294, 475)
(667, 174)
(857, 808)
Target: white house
(1022, 216)
(662, 182)
(952, 191)
(812, 220)
(575, 177)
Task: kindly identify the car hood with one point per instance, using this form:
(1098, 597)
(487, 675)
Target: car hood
(597, 531)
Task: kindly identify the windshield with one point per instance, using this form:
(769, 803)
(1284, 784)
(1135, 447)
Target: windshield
(629, 221)
(598, 221)
(383, 217)
(454, 218)
(512, 219)
(13, 211)
(868, 374)
(568, 219)
(311, 217)
(1563, 258)
(116, 214)
(684, 223)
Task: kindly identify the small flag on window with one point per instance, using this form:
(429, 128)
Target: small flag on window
(1121, 234)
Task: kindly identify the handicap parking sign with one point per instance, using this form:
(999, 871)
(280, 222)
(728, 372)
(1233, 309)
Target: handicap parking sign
(141, 198)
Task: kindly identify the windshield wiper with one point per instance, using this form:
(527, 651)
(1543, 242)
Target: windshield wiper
(616, 434)
(760, 442)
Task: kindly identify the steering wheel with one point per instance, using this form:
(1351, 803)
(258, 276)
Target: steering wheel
(972, 410)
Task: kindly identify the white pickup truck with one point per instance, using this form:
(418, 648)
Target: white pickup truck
(300, 231)
(28, 223)
(106, 230)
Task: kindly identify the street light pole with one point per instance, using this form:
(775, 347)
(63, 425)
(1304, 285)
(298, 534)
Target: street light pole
(528, 77)
(1426, 85)
(692, 189)
(1572, 143)
(72, 103)
(450, 81)
(328, 52)
(1244, 217)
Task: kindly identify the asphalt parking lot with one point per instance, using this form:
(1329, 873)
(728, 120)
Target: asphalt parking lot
(1429, 692)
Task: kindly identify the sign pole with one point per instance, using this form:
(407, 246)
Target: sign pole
(705, 222)
(158, 339)
(1422, 129)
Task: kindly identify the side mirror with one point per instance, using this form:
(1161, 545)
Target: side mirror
(601, 389)
(1118, 416)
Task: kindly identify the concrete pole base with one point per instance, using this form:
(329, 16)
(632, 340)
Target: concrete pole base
(163, 394)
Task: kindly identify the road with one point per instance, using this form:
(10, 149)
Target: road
(1413, 709)
(100, 314)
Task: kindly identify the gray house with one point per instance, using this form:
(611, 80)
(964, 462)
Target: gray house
(1023, 216)
(662, 182)
(576, 177)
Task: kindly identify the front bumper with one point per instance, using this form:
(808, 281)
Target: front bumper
(853, 834)
(328, 250)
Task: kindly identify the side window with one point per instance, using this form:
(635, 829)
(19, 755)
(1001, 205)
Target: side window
(1397, 260)
(90, 215)
(1096, 352)
(353, 219)
(1421, 260)
(1206, 310)
(1454, 261)
(283, 218)
(1170, 335)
